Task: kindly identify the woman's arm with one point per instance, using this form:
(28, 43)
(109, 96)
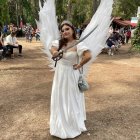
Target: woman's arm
(85, 58)
(15, 41)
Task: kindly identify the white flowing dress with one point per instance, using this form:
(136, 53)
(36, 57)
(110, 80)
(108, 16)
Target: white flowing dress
(67, 102)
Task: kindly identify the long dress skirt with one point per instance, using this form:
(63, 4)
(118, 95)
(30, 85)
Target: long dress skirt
(67, 102)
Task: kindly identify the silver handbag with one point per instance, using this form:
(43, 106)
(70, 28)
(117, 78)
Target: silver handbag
(82, 83)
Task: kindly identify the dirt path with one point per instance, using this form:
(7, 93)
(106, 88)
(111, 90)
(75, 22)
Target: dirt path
(112, 103)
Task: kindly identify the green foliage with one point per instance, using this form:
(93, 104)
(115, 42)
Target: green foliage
(27, 10)
(82, 11)
(11, 11)
(76, 11)
(4, 15)
(136, 38)
(125, 8)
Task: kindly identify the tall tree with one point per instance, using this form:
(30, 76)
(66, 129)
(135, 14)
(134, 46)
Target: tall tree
(126, 8)
(4, 12)
(73, 10)
(78, 11)
(95, 5)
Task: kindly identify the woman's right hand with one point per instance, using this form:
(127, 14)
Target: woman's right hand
(55, 53)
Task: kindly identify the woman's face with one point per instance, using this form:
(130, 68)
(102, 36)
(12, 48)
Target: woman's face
(67, 32)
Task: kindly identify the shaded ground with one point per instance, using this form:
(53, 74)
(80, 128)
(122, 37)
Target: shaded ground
(112, 103)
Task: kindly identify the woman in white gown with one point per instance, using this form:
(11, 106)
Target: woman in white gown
(67, 102)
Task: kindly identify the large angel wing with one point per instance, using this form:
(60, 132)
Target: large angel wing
(48, 26)
(102, 19)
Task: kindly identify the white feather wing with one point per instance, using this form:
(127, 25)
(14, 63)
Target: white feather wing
(102, 19)
(48, 26)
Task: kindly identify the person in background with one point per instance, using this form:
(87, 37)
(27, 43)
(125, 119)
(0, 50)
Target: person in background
(11, 27)
(2, 47)
(37, 34)
(111, 42)
(11, 43)
(122, 35)
(5, 29)
(128, 35)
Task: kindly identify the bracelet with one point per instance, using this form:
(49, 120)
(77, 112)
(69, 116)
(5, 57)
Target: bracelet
(60, 51)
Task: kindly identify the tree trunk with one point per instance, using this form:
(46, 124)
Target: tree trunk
(69, 13)
(95, 5)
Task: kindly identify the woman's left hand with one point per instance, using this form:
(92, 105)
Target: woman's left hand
(76, 66)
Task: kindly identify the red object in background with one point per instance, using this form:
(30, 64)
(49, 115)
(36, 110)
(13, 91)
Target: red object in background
(129, 22)
(134, 24)
(128, 33)
(122, 22)
(21, 24)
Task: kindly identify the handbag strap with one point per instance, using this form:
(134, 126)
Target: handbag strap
(81, 70)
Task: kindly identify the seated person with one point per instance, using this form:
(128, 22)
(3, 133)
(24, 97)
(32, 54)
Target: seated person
(117, 39)
(2, 47)
(11, 42)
